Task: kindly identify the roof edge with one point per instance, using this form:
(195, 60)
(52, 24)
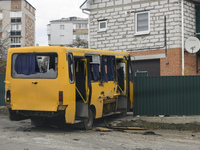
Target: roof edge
(83, 3)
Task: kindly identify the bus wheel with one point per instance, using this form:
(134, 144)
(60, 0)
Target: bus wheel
(88, 122)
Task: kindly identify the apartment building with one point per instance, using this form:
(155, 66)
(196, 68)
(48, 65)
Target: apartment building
(64, 31)
(17, 24)
(156, 44)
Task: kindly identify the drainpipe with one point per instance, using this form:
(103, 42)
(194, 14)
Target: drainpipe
(182, 9)
(88, 26)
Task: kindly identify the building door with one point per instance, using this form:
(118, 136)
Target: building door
(151, 66)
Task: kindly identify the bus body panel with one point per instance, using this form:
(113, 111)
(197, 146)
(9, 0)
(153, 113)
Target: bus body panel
(102, 92)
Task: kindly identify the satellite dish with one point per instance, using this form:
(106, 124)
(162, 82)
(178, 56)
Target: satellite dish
(192, 45)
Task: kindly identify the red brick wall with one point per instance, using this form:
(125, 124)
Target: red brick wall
(29, 8)
(172, 64)
(16, 4)
(29, 31)
(169, 66)
(190, 64)
(1, 24)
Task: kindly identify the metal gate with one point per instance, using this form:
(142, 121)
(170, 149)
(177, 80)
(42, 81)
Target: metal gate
(166, 95)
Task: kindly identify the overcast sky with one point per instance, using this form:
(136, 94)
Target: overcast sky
(47, 10)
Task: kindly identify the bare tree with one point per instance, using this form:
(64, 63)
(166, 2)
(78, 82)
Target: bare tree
(4, 45)
(79, 43)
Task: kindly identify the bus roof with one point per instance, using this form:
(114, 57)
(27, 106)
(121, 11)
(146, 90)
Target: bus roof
(67, 49)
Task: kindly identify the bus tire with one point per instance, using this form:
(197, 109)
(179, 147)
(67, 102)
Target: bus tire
(88, 122)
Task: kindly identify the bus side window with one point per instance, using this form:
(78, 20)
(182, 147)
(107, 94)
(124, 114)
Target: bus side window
(71, 68)
(95, 68)
(107, 66)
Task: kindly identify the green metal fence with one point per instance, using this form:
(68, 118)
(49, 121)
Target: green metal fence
(2, 89)
(169, 95)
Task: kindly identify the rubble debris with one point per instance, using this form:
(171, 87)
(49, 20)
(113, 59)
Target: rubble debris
(101, 129)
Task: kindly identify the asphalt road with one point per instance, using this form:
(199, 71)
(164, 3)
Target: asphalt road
(22, 135)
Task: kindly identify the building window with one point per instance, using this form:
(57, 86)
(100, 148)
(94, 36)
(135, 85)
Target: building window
(15, 14)
(1, 16)
(71, 68)
(62, 27)
(16, 27)
(80, 26)
(35, 65)
(95, 73)
(103, 25)
(13, 20)
(15, 40)
(142, 21)
(15, 33)
(49, 37)
(11, 46)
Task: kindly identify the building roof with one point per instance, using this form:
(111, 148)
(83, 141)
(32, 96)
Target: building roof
(83, 3)
(83, 6)
(70, 19)
(30, 4)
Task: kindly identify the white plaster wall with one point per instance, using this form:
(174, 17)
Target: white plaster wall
(120, 34)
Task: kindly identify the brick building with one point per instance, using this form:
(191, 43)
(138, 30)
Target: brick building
(17, 24)
(138, 26)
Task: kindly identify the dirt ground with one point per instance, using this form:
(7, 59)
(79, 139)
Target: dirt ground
(22, 135)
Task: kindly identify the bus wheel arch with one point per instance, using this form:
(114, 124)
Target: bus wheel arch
(88, 122)
(93, 109)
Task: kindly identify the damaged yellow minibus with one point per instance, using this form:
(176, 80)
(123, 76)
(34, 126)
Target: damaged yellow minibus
(71, 83)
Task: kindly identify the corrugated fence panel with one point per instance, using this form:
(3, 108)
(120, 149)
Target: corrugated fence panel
(2, 90)
(167, 95)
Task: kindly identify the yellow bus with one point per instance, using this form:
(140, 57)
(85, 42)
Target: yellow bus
(71, 83)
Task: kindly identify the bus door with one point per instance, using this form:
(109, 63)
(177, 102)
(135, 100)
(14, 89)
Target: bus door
(123, 84)
(82, 87)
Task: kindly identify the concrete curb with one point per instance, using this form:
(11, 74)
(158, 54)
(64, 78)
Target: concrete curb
(172, 119)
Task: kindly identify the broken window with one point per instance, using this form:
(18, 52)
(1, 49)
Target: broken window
(95, 68)
(108, 69)
(35, 65)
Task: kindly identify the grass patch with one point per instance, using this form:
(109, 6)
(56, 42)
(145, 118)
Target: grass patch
(150, 126)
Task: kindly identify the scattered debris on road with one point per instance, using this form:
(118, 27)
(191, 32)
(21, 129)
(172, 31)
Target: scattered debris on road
(101, 129)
